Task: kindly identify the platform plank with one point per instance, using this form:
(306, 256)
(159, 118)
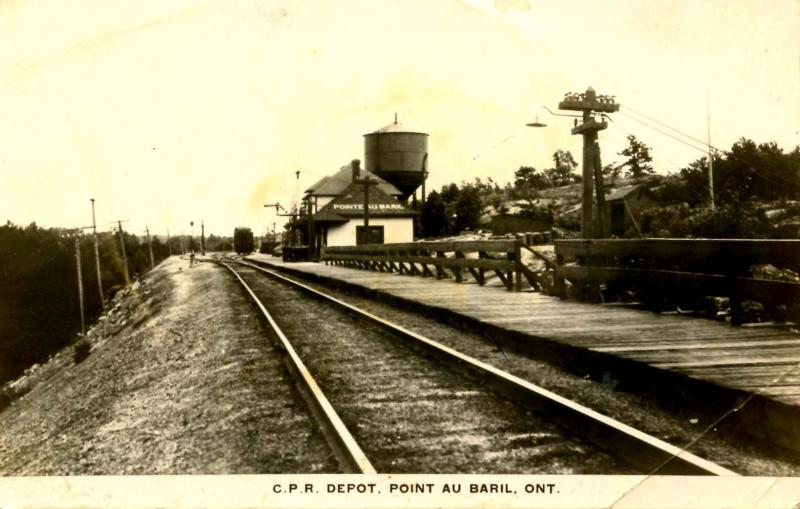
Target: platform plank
(744, 358)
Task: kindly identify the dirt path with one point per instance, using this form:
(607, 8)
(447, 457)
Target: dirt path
(180, 380)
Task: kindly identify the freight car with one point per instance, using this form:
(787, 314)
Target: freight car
(243, 242)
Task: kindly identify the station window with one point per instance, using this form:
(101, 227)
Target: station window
(369, 235)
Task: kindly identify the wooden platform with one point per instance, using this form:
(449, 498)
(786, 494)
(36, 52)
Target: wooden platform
(761, 360)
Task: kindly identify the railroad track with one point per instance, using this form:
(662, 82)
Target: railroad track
(418, 406)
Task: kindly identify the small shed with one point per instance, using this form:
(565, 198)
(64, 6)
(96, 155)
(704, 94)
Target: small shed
(502, 224)
(624, 207)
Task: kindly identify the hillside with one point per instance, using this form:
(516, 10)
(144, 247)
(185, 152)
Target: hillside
(179, 380)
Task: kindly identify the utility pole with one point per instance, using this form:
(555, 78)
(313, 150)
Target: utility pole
(600, 191)
(180, 241)
(149, 247)
(202, 237)
(310, 226)
(710, 159)
(169, 243)
(97, 259)
(366, 182)
(76, 233)
(80, 281)
(124, 254)
(296, 211)
(588, 103)
(191, 238)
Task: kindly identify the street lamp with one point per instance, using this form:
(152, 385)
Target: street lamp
(536, 122)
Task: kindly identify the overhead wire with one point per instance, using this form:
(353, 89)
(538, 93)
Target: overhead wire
(704, 149)
(617, 124)
(479, 154)
(776, 180)
(704, 143)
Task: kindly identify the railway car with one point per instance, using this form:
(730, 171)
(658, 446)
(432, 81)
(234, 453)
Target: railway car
(243, 242)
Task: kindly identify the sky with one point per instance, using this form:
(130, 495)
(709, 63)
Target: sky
(173, 111)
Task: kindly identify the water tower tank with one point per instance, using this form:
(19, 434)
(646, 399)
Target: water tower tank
(398, 155)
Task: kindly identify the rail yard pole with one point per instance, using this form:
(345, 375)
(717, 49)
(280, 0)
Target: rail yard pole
(124, 255)
(309, 227)
(80, 281)
(366, 182)
(97, 259)
(710, 159)
(202, 237)
(588, 103)
(600, 192)
(149, 247)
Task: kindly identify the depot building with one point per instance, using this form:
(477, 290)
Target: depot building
(338, 201)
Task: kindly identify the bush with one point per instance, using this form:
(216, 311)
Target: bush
(735, 219)
(81, 351)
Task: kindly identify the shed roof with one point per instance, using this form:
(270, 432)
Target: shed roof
(622, 192)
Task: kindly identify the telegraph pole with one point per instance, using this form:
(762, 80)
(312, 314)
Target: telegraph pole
(310, 226)
(97, 259)
(124, 254)
(202, 238)
(76, 233)
(600, 191)
(589, 102)
(297, 192)
(366, 182)
(710, 159)
(169, 243)
(80, 280)
(149, 247)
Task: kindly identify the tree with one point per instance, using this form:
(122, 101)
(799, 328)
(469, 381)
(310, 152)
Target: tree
(433, 218)
(467, 209)
(564, 171)
(638, 159)
(527, 181)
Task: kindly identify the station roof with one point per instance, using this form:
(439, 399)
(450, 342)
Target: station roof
(333, 185)
(350, 204)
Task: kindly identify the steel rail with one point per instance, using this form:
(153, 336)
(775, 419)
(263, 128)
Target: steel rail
(344, 446)
(635, 446)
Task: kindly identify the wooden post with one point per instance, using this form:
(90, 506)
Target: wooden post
(149, 247)
(202, 239)
(517, 265)
(367, 182)
(80, 282)
(587, 103)
(124, 255)
(587, 206)
(97, 259)
(559, 284)
(600, 192)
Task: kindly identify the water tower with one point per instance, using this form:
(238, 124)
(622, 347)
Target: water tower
(398, 155)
